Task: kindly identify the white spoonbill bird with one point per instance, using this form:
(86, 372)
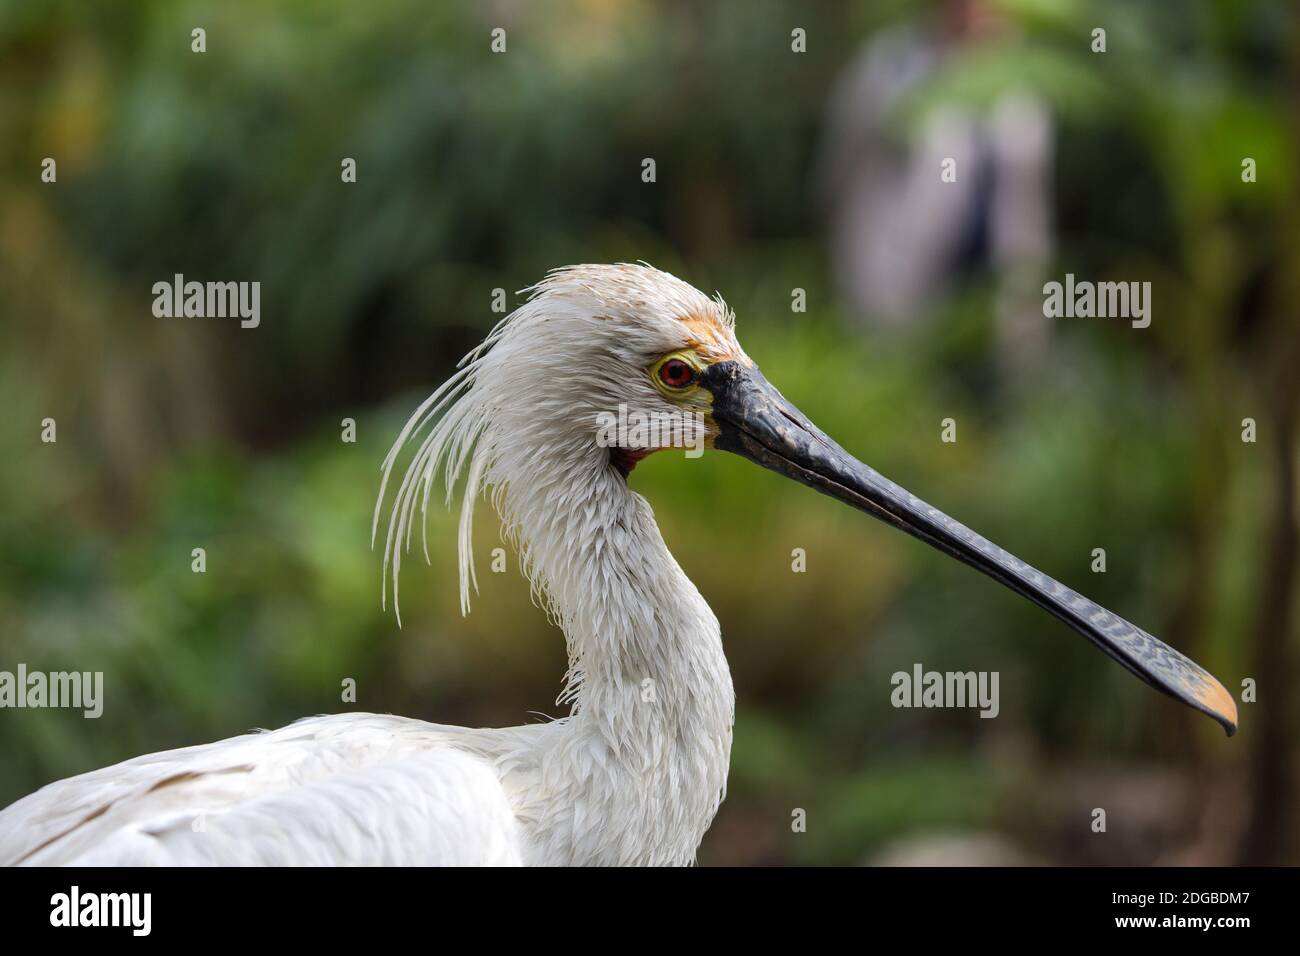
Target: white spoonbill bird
(627, 777)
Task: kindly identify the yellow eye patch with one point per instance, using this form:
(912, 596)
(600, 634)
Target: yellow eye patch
(677, 372)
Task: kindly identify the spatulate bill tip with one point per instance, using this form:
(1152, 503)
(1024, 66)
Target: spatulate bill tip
(1218, 703)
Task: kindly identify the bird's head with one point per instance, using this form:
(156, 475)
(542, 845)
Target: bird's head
(605, 364)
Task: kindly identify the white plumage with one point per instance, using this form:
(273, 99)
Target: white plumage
(622, 780)
(635, 773)
(349, 788)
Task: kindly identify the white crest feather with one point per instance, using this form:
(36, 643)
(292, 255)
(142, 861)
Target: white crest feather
(562, 315)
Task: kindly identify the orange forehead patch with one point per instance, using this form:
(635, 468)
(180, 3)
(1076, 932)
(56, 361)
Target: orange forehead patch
(711, 339)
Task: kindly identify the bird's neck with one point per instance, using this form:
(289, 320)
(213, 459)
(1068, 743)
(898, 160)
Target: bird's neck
(637, 629)
(652, 697)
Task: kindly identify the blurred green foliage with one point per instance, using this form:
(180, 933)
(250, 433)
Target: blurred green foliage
(478, 171)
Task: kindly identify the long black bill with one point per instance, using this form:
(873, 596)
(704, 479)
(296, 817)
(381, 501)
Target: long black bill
(756, 422)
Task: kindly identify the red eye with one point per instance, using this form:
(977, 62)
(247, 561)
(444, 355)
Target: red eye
(676, 374)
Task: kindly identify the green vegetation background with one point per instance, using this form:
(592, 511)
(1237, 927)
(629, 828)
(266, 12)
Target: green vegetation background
(479, 170)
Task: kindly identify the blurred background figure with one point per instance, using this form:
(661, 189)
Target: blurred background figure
(898, 244)
(1172, 157)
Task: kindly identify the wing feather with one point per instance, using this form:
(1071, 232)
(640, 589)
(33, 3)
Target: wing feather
(349, 789)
